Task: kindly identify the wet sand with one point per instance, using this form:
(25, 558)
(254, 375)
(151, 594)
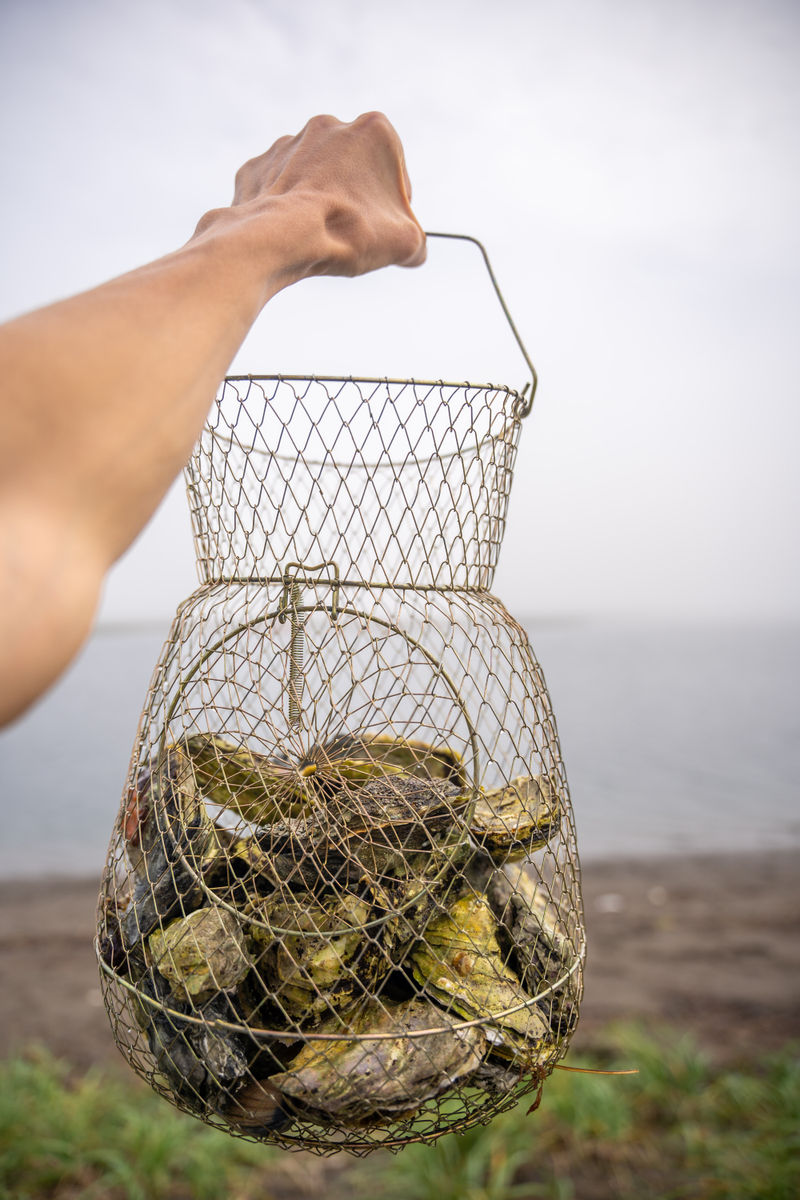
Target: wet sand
(708, 944)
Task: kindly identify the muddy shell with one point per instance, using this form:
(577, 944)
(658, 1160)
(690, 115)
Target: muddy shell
(365, 1079)
(514, 821)
(201, 954)
(169, 837)
(460, 964)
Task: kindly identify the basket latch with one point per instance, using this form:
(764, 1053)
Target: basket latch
(295, 574)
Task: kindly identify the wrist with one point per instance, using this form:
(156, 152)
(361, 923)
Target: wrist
(268, 244)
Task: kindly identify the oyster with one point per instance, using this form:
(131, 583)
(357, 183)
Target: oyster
(267, 790)
(391, 827)
(418, 758)
(367, 1079)
(223, 1053)
(542, 950)
(169, 836)
(515, 821)
(198, 1060)
(459, 963)
(316, 956)
(201, 954)
(261, 789)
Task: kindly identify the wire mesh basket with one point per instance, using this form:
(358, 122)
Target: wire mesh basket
(341, 908)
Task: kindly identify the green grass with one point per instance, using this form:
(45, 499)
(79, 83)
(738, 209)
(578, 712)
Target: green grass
(679, 1130)
(101, 1137)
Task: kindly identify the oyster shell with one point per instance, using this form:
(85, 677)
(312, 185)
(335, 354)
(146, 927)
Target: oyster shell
(416, 757)
(169, 836)
(364, 1080)
(198, 1060)
(261, 789)
(267, 790)
(542, 950)
(201, 954)
(316, 956)
(459, 963)
(514, 821)
(391, 827)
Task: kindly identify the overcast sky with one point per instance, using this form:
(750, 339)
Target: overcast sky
(633, 170)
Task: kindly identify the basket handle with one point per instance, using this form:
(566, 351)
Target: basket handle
(528, 399)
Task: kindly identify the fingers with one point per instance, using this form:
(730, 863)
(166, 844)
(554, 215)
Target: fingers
(355, 175)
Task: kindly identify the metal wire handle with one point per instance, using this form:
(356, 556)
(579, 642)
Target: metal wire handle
(466, 237)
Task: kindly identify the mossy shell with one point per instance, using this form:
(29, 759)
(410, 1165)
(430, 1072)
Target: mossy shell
(315, 957)
(517, 820)
(366, 1080)
(201, 954)
(458, 962)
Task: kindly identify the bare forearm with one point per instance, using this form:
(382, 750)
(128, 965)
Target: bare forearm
(102, 396)
(105, 393)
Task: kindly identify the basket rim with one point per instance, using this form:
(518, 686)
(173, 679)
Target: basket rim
(407, 381)
(218, 437)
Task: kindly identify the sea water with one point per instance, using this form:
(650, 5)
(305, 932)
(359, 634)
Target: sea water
(677, 740)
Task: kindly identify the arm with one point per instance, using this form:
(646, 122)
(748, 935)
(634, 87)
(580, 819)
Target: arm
(104, 395)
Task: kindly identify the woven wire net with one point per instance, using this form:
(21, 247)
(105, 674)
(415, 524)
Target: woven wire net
(341, 908)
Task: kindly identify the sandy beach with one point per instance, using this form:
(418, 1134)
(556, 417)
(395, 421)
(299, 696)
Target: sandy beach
(707, 944)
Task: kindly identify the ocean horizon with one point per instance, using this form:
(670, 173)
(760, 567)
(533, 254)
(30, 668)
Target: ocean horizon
(677, 739)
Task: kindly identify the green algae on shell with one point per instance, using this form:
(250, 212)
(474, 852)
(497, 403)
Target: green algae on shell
(458, 962)
(514, 821)
(416, 757)
(265, 790)
(315, 956)
(364, 1079)
(257, 787)
(201, 954)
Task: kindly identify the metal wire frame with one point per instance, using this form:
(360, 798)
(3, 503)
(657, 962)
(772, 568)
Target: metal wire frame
(221, 665)
(341, 908)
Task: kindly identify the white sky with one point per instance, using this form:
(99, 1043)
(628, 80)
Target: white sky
(631, 165)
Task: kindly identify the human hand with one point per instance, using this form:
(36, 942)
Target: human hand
(341, 196)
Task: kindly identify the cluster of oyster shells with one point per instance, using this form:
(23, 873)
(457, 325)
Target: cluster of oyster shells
(338, 940)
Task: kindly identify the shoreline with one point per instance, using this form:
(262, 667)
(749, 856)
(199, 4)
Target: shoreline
(706, 943)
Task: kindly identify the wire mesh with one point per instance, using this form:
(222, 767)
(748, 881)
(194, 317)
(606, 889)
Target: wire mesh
(341, 907)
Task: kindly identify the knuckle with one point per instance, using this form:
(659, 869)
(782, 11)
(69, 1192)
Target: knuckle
(373, 117)
(322, 121)
(244, 172)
